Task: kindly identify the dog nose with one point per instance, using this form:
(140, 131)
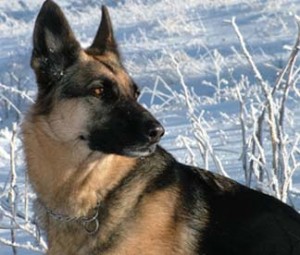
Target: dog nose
(155, 133)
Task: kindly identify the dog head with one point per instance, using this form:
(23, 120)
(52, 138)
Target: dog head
(86, 95)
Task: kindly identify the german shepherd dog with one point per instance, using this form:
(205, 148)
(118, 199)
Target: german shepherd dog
(103, 184)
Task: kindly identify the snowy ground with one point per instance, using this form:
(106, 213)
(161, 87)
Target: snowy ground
(197, 34)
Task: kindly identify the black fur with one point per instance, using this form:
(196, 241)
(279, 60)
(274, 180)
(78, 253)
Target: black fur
(226, 218)
(236, 219)
(240, 221)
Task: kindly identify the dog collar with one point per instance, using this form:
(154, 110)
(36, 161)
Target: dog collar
(89, 223)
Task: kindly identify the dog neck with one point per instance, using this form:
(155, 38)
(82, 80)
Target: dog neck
(66, 176)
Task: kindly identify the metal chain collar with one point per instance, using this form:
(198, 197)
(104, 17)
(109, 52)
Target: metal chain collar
(90, 224)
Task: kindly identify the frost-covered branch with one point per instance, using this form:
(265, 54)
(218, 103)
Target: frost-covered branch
(28, 246)
(13, 218)
(199, 133)
(13, 179)
(267, 93)
(273, 103)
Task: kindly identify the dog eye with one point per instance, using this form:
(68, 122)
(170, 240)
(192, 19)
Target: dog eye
(136, 90)
(97, 92)
(137, 94)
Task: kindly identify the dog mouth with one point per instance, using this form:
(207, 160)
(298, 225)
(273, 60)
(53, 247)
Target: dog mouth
(130, 151)
(140, 151)
(133, 150)
(82, 137)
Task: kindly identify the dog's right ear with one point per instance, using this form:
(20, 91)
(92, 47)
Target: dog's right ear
(54, 45)
(104, 39)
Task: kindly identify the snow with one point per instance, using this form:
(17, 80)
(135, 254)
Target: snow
(198, 35)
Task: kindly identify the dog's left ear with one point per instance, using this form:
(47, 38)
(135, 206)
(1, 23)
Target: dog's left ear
(54, 45)
(105, 40)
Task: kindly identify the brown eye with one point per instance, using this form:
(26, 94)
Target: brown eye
(136, 95)
(136, 90)
(97, 92)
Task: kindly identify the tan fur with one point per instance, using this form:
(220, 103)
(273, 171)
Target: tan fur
(70, 179)
(72, 184)
(64, 169)
(154, 231)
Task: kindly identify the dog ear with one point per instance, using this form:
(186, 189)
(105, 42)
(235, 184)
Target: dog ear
(54, 45)
(105, 40)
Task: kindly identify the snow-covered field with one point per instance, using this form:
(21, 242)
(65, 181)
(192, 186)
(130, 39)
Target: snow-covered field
(188, 60)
